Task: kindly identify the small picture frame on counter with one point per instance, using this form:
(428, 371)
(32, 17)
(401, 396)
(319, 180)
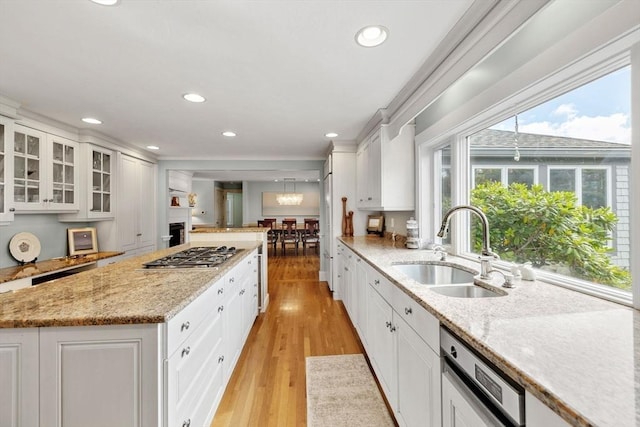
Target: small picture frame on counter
(375, 224)
(82, 241)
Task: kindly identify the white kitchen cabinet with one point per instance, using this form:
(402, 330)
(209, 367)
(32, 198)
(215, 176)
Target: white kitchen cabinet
(96, 188)
(418, 379)
(360, 285)
(385, 171)
(19, 372)
(537, 414)
(45, 171)
(382, 344)
(134, 228)
(99, 376)
(403, 344)
(6, 171)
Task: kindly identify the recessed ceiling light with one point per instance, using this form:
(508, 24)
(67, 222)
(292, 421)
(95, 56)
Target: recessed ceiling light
(372, 35)
(92, 121)
(153, 147)
(193, 97)
(330, 134)
(106, 2)
(228, 133)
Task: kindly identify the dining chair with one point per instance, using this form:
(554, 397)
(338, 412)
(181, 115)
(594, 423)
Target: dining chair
(272, 236)
(289, 235)
(310, 235)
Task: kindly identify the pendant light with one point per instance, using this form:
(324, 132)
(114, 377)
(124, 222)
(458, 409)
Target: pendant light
(289, 199)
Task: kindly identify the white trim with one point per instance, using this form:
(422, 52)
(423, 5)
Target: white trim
(467, 120)
(578, 179)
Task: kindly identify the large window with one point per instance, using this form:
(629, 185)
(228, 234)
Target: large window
(555, 183)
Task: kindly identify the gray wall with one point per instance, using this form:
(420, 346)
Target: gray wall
(205, 191)
(253, 194)
(51, 233)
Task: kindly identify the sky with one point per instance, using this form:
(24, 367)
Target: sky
(599, 110)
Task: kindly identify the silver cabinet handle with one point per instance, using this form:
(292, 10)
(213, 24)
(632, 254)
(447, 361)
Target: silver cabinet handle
(185, 326)
(186, 351)
(220, 359)
(408, 310)
(376, 282)
(388, 324)
(186, 423)
(139, 234)
(220, 291)
(221, 308)
(392, 328)
(232, 279)
(12, 209)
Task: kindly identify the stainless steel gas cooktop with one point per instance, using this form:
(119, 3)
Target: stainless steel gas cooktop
(199, 257)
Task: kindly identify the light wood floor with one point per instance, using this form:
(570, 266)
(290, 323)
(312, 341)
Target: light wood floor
(267, 387)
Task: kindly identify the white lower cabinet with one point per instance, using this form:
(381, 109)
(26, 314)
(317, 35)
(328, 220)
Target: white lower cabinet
(99, 376)
(19, 372)
(402, 341)
(382, 344)
(418, 379)
(141, 375)
(537, 414)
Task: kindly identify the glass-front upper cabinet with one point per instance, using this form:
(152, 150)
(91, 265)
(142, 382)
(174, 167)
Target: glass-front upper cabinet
(96, 187)
(6, 168)
(45, 171)
(101, 184)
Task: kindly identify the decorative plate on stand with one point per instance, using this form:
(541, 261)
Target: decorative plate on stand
(24, 247)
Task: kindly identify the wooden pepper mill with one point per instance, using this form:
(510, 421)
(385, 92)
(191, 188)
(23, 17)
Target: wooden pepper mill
(344, 216)
(350, 224)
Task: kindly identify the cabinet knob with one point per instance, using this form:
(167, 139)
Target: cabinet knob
(220, 359)
(186, 423)
(232, 279)
(408, 310)
(139, 234)
(388, 324)
(221, 309)
(186, 351)
(376, 282)
(454, 352)
(220, 291)
(12, 209)
(392, 328)
(185, 326)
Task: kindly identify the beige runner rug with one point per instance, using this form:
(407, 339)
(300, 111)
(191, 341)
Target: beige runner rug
(341, 391)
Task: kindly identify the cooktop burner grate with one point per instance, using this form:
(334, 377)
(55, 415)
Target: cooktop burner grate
(198, 257)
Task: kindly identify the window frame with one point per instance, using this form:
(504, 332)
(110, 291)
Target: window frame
(578, 74)
(578, 179)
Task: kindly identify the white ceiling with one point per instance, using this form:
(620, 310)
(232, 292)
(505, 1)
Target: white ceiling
(279, 73)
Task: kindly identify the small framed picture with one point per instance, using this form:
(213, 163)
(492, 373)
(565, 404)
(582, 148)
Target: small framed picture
(375, 224)
(82, 241)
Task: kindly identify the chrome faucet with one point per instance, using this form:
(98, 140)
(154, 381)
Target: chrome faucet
(486, 256)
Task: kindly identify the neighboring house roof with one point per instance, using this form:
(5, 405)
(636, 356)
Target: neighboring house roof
(497, 141)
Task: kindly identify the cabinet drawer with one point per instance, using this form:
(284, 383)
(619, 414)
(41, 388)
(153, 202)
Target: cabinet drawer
(380, 284)
(188, 319)
(197, 355)
(423, 322)
(199, 408)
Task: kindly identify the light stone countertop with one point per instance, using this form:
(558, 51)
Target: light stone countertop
(578, 354)
(119, 293)
(39, 268)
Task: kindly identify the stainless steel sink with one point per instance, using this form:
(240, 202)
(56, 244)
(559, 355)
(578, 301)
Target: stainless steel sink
(434, 273)
(465, 291)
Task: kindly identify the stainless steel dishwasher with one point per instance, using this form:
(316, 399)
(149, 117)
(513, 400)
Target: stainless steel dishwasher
(474, 392)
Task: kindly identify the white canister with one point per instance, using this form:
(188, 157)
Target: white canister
(413, 240)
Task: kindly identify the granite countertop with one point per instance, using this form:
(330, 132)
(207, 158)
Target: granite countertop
(578, 354)
(8, 274)
(119, 293)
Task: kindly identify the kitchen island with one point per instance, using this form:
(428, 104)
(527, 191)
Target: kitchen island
(574, 354)
(121, 345)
